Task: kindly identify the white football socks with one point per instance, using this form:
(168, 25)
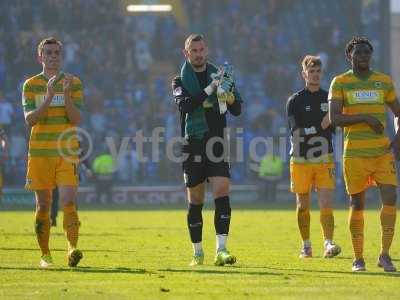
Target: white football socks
(307, 243)
(221, 242)
(198, 248)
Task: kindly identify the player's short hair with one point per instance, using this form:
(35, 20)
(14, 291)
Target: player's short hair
(357, 40)
(310, 61)
(47, 41)
(194, 37)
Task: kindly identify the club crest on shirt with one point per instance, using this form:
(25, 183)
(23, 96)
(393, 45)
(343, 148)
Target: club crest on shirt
(378, 84)
(324, 107)
(178, 91)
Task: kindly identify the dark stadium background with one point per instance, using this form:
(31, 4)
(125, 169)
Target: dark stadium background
(126, 62)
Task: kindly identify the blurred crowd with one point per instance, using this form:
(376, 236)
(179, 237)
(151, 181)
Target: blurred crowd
(126, 63)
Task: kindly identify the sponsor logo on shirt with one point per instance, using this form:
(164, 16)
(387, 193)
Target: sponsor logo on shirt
(365, 96)
(58, 100)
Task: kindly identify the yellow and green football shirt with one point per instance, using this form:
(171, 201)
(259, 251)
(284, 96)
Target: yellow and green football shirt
(53, 135)
(363, 96)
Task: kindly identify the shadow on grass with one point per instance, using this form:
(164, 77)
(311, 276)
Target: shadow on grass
(229, 270)
(155, 228)
(329, 259)
(102, 234)
(366, 273)
(58, 250)
(280, 271)
(82, 270)
(395, 259)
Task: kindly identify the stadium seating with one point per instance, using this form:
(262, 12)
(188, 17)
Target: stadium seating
(127, 62)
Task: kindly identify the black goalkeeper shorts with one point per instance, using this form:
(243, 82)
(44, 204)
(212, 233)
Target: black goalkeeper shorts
(198, 166)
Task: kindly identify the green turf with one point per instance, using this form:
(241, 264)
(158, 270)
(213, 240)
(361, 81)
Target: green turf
(145, 255)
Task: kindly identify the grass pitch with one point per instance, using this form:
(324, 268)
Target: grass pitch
(144, 254)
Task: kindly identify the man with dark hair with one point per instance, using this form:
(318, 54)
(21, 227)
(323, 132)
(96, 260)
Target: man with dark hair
(357, 101)
(51, 101)
(311, 163)
(203, 122)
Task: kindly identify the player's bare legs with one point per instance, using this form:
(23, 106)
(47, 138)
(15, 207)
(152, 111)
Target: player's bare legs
(388, 221)
(325, 198)
(196, 194)
(220, 186)
(71, 222)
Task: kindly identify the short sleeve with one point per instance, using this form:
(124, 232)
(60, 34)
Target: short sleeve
(335, 91)
(28, 98)
(77, 92)
(390, 93)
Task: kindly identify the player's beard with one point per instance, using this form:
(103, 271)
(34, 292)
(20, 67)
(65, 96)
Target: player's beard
(200, 63)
